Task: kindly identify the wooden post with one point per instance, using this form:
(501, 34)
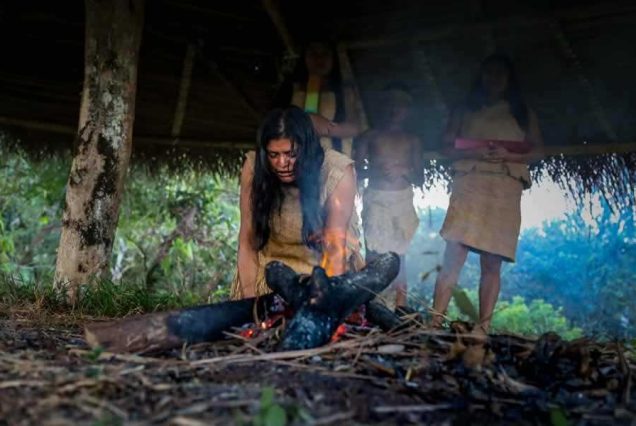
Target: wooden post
(104, 141)
(291, 56)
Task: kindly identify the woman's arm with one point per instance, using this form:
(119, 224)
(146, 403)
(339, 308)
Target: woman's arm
(349, 128)
(345, 130)
(535, 138)
(329, 129)
(247, 256)
(340, 205)
(450, 134)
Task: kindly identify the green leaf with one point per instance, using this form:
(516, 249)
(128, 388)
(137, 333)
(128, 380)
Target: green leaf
(464, 304)
(267, 397)
(275, 416)
(558, 417)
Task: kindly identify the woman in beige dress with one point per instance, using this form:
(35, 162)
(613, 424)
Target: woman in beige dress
(484, 211)
(316, 86)
(296, 204)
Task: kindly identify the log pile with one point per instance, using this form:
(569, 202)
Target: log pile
(319, 305)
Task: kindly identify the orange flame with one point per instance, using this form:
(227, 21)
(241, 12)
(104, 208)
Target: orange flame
(248, 334)
(340, 331)
(334, 251)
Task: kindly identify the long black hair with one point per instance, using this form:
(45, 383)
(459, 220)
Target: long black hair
(300, 75)
(478, 97)
(267, 190)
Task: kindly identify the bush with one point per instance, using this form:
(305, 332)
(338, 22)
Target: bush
(517, 316)
(176, 238)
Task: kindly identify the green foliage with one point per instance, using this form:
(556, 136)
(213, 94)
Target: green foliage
(175, 243)
(558, 417)
(516, 315)
(270, 413)
(584, 264)
(102, 298)
(465, 306)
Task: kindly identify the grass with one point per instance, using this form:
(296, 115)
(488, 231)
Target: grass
(103, 298)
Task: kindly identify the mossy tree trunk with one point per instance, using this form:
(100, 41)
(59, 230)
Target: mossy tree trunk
(104, 141)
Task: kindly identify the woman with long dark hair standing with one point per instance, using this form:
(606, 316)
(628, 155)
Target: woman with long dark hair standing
(316, 86)
(296, 203)
(492, 139)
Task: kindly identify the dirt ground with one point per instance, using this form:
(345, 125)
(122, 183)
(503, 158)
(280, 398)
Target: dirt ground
(48, 376)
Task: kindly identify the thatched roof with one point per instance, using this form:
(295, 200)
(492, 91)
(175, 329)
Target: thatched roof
(574, 57)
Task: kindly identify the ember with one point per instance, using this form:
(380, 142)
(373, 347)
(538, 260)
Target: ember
(340, 331)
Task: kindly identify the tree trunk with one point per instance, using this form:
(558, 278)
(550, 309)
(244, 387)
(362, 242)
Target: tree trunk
(104, 141)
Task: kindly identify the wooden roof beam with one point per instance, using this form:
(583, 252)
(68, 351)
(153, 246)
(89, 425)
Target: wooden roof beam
(455, 29)
(550, 150)
(273, 10)
(184, 91)
(137, 140)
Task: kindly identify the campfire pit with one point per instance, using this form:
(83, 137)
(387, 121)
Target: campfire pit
(320, 304)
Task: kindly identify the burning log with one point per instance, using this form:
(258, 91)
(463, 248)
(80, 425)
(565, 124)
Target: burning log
(378, 314)
(166, 330)
(322, 302)
(320, 305)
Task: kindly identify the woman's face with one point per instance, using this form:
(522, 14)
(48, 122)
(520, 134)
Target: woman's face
(281, 156)
(319, 59)
(495, 78)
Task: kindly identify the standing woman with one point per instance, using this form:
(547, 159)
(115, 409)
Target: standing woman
(484, 211)
(316, 87)
(296, 204)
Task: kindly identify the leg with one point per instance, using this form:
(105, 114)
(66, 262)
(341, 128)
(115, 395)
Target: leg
(454, 258)
(400, 286)
(489, 286)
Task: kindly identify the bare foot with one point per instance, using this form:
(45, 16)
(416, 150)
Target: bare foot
(479, 334)
(437, 319)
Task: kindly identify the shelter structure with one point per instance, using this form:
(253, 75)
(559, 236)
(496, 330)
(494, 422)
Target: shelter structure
(208, 71)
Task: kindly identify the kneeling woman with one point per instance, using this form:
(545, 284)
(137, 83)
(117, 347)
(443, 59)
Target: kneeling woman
(296, 203)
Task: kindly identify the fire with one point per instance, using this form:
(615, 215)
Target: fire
(334, 251)
(270, 322)
(248, 334)
(340, 331)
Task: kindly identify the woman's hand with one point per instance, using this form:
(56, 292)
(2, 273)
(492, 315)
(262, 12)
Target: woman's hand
(495, 154)
(322, 126)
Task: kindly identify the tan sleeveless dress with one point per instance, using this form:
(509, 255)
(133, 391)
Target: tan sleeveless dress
(484, 211)
(326, 108)
(285, 242)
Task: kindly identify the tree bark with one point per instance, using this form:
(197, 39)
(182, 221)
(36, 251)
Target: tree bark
(165, 330)
(321, 304)
(104, 141)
